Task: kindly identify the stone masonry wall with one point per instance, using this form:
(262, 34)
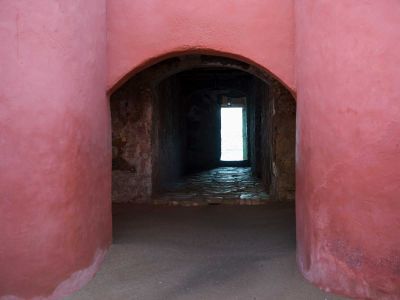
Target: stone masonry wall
(131, 111)
(284, 141)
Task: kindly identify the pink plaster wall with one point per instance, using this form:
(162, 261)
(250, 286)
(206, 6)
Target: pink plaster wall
(55, 215)
(140, 32)
(348, 146)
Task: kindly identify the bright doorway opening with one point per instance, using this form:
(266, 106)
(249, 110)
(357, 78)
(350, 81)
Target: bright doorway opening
(232, 134)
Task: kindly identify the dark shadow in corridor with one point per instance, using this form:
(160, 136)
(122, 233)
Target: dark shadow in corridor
(167, 127)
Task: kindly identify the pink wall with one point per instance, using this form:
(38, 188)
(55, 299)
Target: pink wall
(143, 31)
(55, 144)
(348, 147)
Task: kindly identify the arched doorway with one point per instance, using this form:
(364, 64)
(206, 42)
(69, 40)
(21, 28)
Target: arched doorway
(168, 167)
(167, 124)
(147, 111)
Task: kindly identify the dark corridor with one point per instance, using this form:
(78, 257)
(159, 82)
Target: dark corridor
(167, 135)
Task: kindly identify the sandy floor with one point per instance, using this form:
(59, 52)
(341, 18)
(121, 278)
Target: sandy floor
(205, 252)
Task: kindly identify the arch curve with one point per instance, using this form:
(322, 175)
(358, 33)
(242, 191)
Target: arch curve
(261, 35)
(176, 62)
(147, 86)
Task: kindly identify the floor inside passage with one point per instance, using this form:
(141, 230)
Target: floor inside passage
(204, 252)
(223, 185)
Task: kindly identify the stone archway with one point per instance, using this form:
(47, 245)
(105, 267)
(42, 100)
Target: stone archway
(134, 112)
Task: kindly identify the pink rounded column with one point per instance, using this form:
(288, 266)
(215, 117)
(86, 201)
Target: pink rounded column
(348, 147)
(55, 214)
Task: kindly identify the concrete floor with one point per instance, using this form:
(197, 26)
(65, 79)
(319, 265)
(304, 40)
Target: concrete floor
(206, 252)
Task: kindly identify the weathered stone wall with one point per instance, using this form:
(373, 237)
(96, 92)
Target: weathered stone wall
(284, 141)
(131, 112)
(273, 117)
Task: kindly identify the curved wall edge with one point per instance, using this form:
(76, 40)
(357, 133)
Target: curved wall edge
(74, 282)
(55, 179)
(348, 157)
(262, 31)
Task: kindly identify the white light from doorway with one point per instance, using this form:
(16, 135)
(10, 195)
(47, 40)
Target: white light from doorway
(231, 133)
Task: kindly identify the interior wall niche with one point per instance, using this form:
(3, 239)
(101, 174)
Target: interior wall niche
(166, 124)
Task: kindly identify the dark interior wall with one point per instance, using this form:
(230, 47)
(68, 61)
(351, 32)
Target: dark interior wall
(203, 143)
(256, 99)
(284, 141)
(169, 134)
(273, 137)
(253, 142)
(131, 113)
(264, 131)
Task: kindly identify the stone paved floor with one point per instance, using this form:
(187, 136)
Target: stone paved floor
(225, 185)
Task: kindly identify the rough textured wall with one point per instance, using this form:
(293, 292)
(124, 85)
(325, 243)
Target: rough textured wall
(148, 121)
(55, 146)
(284, 140)
(143, 31)
(132, 119)
(348, 151)
(275, 146)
